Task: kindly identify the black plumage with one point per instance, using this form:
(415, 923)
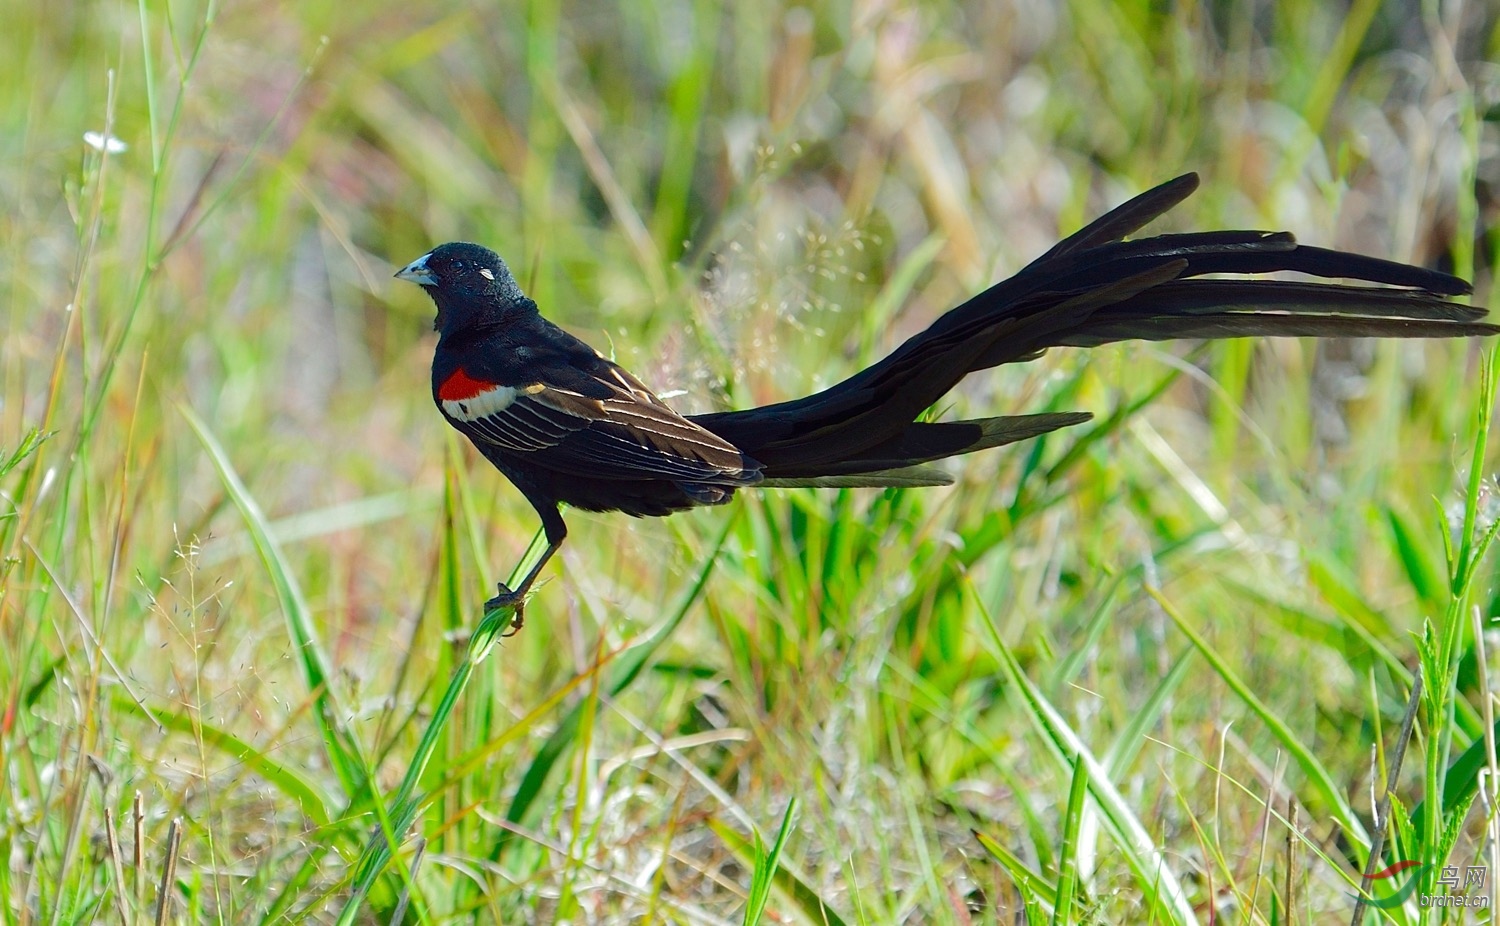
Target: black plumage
(566, 425)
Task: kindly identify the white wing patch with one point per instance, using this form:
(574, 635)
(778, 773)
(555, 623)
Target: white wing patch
(491, 401)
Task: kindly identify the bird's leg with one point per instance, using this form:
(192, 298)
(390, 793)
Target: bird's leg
(516, 598)
(556, 531)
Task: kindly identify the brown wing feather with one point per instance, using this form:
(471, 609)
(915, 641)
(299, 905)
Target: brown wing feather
(629, 433)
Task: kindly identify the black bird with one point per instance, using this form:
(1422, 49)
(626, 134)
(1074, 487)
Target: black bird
(566, 425)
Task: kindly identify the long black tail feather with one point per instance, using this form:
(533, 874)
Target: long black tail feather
(1091, 289)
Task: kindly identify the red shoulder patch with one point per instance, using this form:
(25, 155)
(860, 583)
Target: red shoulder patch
(461, 385)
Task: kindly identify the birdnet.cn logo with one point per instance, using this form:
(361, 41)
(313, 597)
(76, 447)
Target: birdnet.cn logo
(1454, 890)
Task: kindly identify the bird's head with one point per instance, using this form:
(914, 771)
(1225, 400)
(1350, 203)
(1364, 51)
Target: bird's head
(469, 283)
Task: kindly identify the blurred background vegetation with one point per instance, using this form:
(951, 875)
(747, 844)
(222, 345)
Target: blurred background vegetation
(1209, 593)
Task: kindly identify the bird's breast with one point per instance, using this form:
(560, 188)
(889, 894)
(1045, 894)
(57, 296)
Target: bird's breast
(466, 398)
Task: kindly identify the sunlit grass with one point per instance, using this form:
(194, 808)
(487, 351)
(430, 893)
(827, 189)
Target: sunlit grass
(1150, 669)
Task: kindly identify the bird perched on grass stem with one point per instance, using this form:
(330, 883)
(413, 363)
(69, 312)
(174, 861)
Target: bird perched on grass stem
(566, 425)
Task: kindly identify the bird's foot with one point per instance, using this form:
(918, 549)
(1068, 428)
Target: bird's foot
(509, 599)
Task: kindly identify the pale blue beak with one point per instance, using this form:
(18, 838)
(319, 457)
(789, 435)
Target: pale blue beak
(417, 272)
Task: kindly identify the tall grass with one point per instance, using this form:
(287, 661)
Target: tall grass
(1151, 669)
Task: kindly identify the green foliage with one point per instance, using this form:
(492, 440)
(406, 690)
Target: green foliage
(1131, 672)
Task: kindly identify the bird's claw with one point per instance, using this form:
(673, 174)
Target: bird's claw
(508, 599)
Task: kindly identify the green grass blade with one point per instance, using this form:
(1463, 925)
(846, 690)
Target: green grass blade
(339, 742)
(1422, 570)
(31, 440)
(1154, 878)
(1317, 775)
(628, 668)
(1033, 886)
(1460, 784)
(1067, 881)
(811, 907)
(404, 806)
(767, 864)
(1128, 744)
(310, 799)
